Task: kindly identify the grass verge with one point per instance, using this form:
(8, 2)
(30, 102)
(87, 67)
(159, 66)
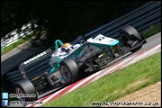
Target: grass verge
(16, 44)
(115, 85)
(152, 30)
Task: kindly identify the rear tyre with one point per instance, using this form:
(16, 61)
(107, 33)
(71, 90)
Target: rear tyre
(25, 87)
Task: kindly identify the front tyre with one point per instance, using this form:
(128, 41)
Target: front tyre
(69, 71)
(131, 33)
(131, 37)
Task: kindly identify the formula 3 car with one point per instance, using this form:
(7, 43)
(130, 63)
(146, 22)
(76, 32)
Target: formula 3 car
(69, 63)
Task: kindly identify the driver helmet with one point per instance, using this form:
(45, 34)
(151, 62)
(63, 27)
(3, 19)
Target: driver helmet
(66, 48)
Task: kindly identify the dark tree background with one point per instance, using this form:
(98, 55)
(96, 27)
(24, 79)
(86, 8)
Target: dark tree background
(63, 20)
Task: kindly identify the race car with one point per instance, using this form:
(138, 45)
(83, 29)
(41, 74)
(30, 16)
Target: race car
(71, 62)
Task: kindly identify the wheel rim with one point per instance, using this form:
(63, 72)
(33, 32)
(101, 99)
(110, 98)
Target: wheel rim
(65, 73)
(18, 92)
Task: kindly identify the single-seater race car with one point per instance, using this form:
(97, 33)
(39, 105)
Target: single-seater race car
(69, 63)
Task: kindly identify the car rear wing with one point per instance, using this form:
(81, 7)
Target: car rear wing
(36, 65)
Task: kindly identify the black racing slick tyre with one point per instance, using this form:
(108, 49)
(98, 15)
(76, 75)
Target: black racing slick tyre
(25, 87)
(130, 37)
(69, 71)
(131, 33)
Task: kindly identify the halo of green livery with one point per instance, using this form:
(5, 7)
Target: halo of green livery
(86, 57)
